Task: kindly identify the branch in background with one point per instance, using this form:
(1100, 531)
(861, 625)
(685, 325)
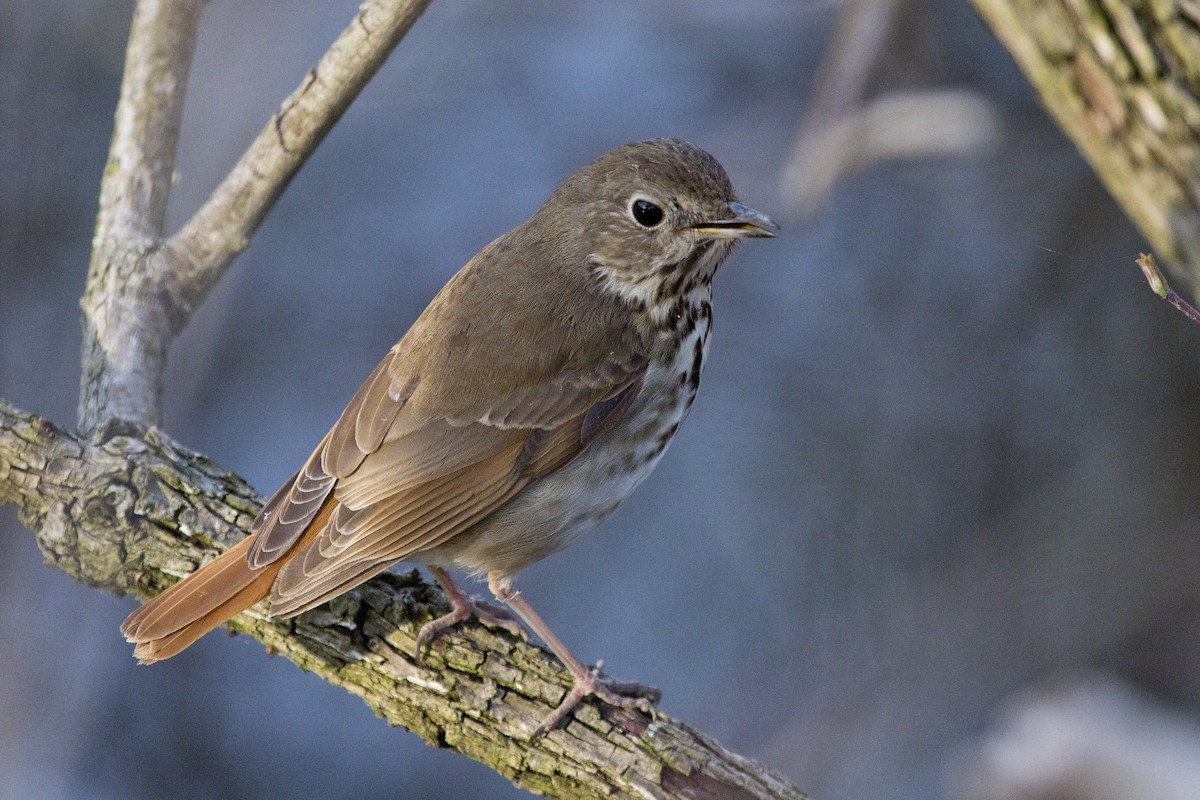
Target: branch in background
(851, 55)
(1093, 737)
(141, 291)
(843, 133)
(134, 512)
(1123, 81)
(935, 123)
(1158, 284)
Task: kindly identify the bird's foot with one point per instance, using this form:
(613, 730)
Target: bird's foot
(631, 696)
(463, 608)
(493, 616)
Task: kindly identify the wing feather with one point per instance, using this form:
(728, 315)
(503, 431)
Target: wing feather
(366, 421)
(322, 569)
(360, 430)
(435, 450)
(406, 517)
(420, 455)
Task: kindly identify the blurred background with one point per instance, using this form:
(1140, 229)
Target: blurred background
(930, 531)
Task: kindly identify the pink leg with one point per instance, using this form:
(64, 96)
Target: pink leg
(587, 681)
(462, 608)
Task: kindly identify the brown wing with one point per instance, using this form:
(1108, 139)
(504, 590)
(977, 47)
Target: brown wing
(437, 478)
(360, 430)
(492, 387)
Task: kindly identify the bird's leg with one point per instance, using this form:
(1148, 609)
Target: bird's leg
(463, 607)
(587, 681)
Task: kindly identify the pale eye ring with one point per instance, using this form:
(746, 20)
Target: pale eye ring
(645, 213)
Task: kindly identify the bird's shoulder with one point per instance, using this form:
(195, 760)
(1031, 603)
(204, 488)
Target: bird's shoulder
(523, 323)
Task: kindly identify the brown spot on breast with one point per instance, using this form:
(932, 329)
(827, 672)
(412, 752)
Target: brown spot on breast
(697, 363)
(665, 437)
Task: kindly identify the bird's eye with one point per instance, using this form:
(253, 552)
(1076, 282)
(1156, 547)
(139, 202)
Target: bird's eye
(646, 213)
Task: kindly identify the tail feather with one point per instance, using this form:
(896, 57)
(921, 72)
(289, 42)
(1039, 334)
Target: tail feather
(151, 650)
(208, 597)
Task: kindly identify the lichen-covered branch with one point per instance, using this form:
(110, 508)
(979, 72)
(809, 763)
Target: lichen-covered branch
(142, 289)
(130, 511)
(1122, 79)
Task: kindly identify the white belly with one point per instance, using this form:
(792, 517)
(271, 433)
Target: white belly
(552, 513)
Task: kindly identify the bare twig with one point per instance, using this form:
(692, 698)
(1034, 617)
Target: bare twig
(932, 123)
(141, 291)
(1158, 283)
(850, 56)
(196, 256)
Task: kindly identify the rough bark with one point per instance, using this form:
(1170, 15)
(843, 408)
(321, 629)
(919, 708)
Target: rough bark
(130, 511)
(1122, 79)
(141, 288)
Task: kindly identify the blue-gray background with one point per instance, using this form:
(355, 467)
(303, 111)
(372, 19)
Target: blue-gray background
(945, 446)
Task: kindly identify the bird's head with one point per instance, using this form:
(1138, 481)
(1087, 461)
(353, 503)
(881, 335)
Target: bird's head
(657, 218)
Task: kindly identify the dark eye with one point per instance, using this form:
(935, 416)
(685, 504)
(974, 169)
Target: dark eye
(646, 213)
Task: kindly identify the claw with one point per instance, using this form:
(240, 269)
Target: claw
(493, 616)
(463, 608)
(631, 696)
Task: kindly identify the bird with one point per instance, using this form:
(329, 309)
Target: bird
(536, 391)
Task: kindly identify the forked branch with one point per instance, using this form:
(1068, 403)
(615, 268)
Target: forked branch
(142, 290)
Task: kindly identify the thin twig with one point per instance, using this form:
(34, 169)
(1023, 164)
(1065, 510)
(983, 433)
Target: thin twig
(851, 55)
(141, 158)
(195, 257)
(1158, 283)
(843, 131)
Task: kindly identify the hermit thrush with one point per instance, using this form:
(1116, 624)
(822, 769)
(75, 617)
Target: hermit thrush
(532, 396)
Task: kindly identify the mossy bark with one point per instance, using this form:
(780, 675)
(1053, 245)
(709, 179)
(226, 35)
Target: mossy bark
(1122, 79)
(130, 511)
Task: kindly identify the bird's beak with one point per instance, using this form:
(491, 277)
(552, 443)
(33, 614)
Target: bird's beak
(744, 222)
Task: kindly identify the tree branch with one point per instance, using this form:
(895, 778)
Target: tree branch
(1123, 81)
(130, 511)
(141, 291)
(196, 256)
(125, 326)
(845, 131)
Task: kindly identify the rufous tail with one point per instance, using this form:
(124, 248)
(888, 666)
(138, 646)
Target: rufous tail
(210, 596)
